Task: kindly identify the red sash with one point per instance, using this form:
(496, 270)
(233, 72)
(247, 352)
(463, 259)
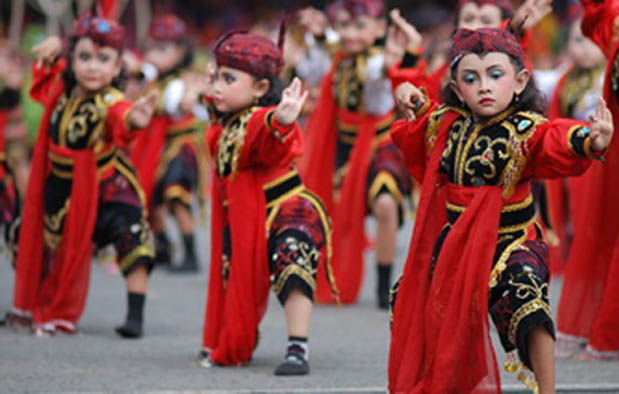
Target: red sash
(440, 336)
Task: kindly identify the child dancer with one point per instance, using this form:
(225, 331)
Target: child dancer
(169, 157)
(588, 309)
(351, 162)
(476, 247)
(265, 223)
(474, 14)
(82, 188)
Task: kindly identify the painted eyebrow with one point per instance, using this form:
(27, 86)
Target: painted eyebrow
(494, 66)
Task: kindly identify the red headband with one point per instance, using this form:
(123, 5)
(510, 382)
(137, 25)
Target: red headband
(482, 41)
(254, 54)
(373, 8)
(504, 5)
(104, 32)
(168, 27)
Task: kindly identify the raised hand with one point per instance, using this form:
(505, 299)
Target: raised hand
(292, 102)
(409, 37)
(408, 97)
(394, 46)
(143, 109)
(530, 13)
(601, 127)
(47, 51)
(313, 20)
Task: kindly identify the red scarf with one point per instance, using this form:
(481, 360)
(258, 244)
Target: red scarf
(440, 336)
(146, 153)
(62, 293)
(317, 167)
(597, 228)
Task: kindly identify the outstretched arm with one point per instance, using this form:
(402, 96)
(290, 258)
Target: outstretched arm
(47, 69)
(277, 137)
(564, 147)
(411, 134)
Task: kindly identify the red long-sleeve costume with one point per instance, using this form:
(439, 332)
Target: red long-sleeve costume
(61, 295)
(254, 158)
(472, 187)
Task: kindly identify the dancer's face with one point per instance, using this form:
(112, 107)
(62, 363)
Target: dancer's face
(358, 33)
(164, 55)
(583, 52)
(235, 89)
(487, 84)
(94, 66)
(474, 17)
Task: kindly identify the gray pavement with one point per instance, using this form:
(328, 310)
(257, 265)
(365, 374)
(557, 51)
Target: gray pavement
(348, 347)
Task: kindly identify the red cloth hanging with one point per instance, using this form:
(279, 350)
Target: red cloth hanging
(595, 233)
(589, 306)
(62, 294)
(431, 331)
(235, 309)
(317, 167)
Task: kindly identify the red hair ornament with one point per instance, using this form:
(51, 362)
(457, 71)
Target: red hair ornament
(104, 32)
(254, 54)
(482, 41)
(168, 27)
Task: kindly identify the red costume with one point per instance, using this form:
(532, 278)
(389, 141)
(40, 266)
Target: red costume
(349, 150)
(81, 189)
(169, 156)
(476, 247)
(265, 224)
(575, 97)
(588, 310)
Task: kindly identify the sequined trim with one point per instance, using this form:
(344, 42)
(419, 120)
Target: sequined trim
(291, 270)
(386, 180)
(136, 253)
(501, 263)
(523, 291)
(178, 192)
(517, 149)
(525, 375)
(231, 142)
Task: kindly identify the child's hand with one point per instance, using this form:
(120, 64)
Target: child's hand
(408, 97)
(143, 110)
(292, 102)
(408, 36)
(530, 13)
(47, 51)
(601, 127)
(313, 21)
(131, 62)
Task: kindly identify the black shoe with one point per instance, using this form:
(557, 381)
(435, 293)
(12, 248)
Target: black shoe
(383, 299)
(162, 250)
(384, 284)
(132, 329)
(190, 264)
(294, 365)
